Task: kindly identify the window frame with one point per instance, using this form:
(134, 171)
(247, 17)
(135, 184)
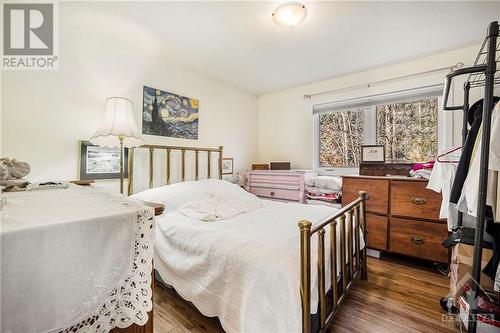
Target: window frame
(445, 123)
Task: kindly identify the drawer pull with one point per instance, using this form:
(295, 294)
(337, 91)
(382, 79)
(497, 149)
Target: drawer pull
(418, 240)
(418, 200)
(272, 193)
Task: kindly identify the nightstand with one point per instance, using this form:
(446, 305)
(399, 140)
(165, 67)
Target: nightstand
(159, 208)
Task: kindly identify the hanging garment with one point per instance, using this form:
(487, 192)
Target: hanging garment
(441, 181)
(471, 183)
(475, 116)
(469, 196)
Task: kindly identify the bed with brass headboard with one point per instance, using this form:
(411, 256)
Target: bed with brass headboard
(320, 259)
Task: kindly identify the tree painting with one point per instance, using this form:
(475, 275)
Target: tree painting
(408, 130)
(341, 136)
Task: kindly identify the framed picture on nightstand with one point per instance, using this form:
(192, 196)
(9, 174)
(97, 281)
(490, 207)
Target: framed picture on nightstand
(227, 166)
(101, 162)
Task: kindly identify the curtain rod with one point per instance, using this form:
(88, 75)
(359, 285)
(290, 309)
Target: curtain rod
(370, 84)
(388, 96)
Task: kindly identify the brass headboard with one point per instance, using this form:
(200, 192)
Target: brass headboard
(168, 150)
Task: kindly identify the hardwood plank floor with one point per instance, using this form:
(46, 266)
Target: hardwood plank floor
(398, 297)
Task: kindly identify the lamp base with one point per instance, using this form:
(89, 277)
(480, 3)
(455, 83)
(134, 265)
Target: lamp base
(121, 163)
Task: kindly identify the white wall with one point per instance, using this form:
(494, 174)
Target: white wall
(285, 122)
(1, 112)
(45, 113)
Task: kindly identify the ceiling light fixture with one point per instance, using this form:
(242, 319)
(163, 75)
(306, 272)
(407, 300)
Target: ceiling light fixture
(290, 14)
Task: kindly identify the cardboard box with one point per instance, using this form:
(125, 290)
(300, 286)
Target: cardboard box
(464, 261)
(485, 323)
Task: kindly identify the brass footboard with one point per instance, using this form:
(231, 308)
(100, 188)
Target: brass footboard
(353, 213)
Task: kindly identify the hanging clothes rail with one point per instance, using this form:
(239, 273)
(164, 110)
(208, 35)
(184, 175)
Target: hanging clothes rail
(374, 83)
(482, 74)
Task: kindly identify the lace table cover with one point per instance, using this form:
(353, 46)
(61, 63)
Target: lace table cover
(74, 260)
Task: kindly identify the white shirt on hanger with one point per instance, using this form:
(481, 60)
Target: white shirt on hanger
(441, 181)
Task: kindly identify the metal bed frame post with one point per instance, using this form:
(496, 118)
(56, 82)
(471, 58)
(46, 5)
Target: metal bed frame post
(305, 274)
(483, 169)
(353, 213)
(362, 214)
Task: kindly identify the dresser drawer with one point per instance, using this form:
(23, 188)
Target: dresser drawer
(418, 239)
(412, 199)
(280, 179)
(376, 227)
(377, 190)
(275, 193)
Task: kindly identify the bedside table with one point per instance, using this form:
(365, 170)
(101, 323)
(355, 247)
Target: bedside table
(159, 208)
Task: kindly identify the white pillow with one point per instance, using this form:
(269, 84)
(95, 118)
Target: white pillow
(177, 195)
(327, 182)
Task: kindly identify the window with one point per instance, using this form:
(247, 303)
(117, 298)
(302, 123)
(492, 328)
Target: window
(407, 129)
(341, 135)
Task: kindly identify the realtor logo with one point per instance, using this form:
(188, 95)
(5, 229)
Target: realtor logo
(29, 36)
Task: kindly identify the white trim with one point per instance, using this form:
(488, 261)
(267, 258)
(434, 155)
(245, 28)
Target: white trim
(370, 132)
(315, 119)
(386, 97)
(445, 127)
(373, 83)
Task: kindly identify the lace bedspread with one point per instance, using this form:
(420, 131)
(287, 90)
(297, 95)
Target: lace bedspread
(74, 260)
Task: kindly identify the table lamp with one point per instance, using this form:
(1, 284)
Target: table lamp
(118, 128)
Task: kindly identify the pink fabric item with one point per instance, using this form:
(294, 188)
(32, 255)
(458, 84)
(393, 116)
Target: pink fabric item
(425, 165)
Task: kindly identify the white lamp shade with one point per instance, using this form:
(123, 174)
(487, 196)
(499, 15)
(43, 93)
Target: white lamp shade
(118, 122)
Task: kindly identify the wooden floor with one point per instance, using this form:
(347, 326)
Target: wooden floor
(398, 297)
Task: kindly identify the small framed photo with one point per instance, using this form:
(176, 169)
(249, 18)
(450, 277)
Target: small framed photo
(101, 162)
(372, 154)
(227, 166)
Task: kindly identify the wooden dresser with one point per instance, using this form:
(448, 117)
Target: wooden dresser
(402, 215)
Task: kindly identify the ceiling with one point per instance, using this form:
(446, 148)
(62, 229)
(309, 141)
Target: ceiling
(238, 42)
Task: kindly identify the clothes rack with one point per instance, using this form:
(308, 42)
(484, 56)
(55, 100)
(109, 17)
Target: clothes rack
(482, 74)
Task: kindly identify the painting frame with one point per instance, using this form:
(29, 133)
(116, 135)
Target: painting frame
(85, 173)
(168, 114)
(372, 154)
(227, 164)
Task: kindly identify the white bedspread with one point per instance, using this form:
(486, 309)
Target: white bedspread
(74, 260)
(244, 270)
(219, 207)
